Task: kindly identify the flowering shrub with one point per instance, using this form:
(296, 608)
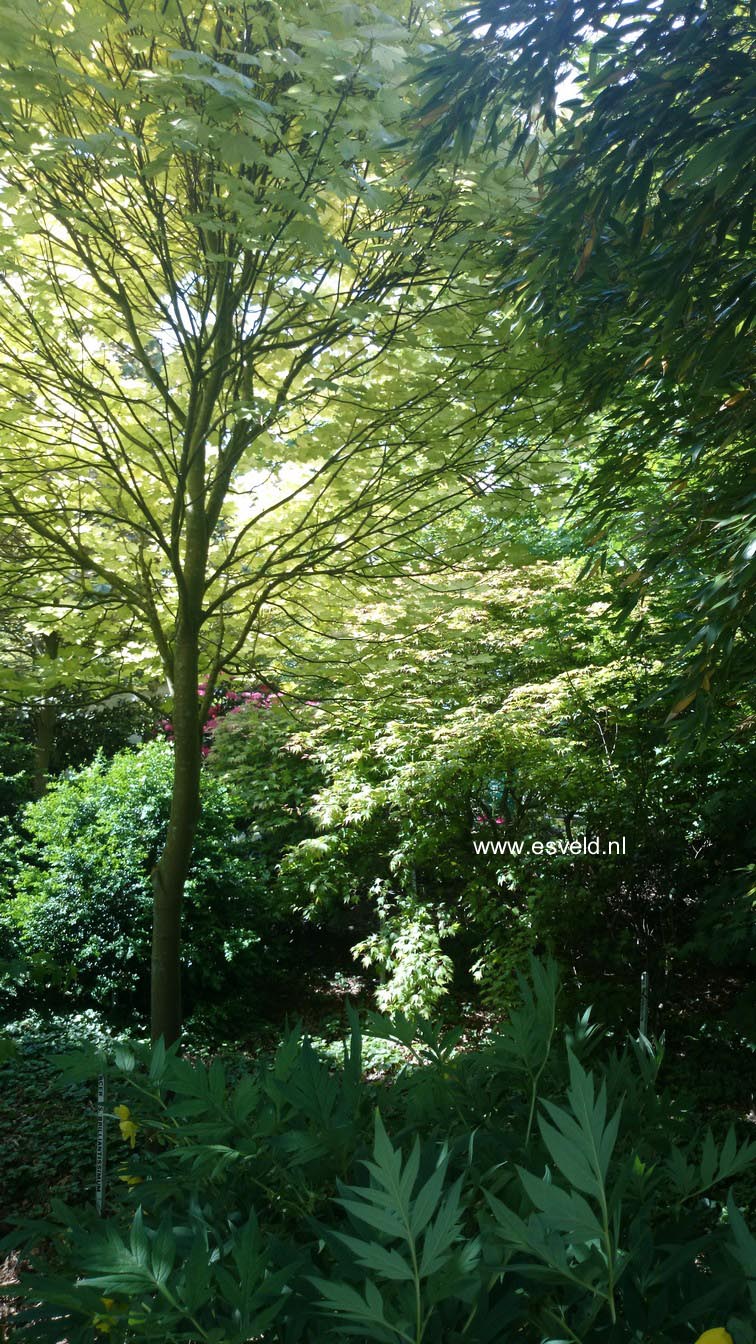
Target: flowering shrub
(226, 700)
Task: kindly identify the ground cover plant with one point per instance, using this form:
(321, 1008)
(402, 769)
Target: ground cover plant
(540, 1182)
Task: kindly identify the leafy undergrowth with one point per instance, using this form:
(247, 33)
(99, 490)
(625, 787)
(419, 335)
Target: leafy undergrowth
(47, 1128)
(415, 1185)
(8, 1277)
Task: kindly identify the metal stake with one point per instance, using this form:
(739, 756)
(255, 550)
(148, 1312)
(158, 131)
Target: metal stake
(644, 1004)
(101, 1154)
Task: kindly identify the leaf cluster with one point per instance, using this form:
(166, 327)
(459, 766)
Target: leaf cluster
(425, 1210)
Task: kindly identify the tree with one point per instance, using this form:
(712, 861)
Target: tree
(635, 125)
(517, 715)
(65, 662)
(237, 352)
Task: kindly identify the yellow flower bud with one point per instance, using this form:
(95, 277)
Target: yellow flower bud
(104, 1321)
(128, 1127)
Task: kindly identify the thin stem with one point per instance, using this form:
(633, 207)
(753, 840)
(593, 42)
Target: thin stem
(559, 1318)
(181, 1310)
(536, 1077)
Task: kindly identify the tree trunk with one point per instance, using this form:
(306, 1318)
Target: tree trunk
(44, 646)
(43, 745)
(170, 872)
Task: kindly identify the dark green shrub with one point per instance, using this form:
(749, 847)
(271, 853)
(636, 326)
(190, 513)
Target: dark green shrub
(414, 806)
(83, 900)
(80, 730)
(273, 782)
(537, 1188)
(16, 767)
(45, 1128)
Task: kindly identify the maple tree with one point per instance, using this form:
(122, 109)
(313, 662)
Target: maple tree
(243, 353)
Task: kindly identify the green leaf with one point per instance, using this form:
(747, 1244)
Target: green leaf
(569, 1157)
(385, 1262)
(163, 1253)
(442, 1233)
(568, 1213)
(381, 1219)
(427, 1200)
